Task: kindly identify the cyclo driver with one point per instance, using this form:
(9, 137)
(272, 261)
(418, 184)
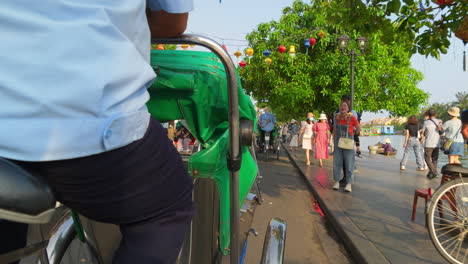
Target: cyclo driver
(267, 122)
(73, 93)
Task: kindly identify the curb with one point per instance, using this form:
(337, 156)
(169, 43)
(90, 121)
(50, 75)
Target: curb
(361, 249)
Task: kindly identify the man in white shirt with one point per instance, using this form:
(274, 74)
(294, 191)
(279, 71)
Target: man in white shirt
(73, 92)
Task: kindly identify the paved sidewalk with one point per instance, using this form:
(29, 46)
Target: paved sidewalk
(374, 220)
(286, 195)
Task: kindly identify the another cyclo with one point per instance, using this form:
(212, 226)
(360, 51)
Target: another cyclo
(203, 89)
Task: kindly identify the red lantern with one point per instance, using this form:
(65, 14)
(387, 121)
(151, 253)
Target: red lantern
(282, 49)
(312, 41)
(242, 64)
(224, 47)
(442, 2)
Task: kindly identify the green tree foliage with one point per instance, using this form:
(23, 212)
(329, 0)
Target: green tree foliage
(317, 80)
(461, 101)
(429, 23)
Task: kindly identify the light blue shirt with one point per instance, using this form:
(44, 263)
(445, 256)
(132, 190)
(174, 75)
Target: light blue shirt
(73, 75)
(267, 121)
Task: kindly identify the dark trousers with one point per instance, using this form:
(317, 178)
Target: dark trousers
(142, 187)
(262, 137)
(431, 155)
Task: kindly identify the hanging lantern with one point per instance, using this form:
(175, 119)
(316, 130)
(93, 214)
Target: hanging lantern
(312, 42)
(292, 52)
(307, 45)
(191, 45)
(268, 61)
(267, 53)
(462, 33)
(292, 49)
(442, 2)
(321, 34)
(249, 51)
(184, 46)
(238, 53)
(224, 47)
(242, 64)
(281, 50)
(160, 47)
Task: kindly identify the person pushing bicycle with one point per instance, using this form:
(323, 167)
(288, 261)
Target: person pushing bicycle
(267, 122)
(73, 86)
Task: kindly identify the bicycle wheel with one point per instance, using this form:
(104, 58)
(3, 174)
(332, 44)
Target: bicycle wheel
(447, 220)
(64, 246)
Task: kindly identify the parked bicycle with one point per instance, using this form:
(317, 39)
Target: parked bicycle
(447, 215)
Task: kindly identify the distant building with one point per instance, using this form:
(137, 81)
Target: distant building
(388, 130)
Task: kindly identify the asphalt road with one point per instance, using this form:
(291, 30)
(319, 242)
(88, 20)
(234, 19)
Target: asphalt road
(286, 195)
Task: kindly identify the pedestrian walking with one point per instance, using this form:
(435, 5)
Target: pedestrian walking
(453, 146)
(412, 142)
(432, 129)
(343, 133)
(306, 134)
(284, 132)
(293, 144)
(321, 139)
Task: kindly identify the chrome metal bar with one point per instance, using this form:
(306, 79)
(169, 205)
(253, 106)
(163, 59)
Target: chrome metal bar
(275, 242)
(60, 240)
(234, 127)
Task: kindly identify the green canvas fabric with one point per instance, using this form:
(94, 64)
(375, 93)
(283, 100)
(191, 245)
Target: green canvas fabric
(192, 85)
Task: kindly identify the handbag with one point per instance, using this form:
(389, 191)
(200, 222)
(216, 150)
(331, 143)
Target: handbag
(345, 142)
(448, 142)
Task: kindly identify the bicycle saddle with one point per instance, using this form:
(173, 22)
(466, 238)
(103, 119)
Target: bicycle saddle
(454, 169)
(24, 197)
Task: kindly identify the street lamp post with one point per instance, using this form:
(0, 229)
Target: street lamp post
(343, 42)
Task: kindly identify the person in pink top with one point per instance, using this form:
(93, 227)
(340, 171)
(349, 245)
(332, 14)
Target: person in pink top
(321, 139)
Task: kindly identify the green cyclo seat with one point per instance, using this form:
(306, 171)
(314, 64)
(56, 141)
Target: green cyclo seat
(24, 197)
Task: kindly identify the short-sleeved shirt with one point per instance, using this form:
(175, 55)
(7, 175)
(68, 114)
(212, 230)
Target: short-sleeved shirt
(294, 129)
(267, 122)
(452, 130)
(431, 133)
(353, 122)
(74, 76)
(413, 129)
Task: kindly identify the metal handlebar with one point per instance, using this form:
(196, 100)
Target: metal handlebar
(234, 156)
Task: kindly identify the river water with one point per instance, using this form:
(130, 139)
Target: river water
(397, 142)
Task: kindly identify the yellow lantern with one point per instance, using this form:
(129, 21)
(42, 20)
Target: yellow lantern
(191, 45)
(321, 34)
(268, 61)
(292, 49)
(249, 52)
(160, 47)
(238, 53)
(184, 46)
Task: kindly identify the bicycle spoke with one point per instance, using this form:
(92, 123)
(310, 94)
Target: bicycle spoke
(442, 228)
(450, 239)
(463, 194)
(450, 211)
(444, 219)
(464, 256)
(453, 229)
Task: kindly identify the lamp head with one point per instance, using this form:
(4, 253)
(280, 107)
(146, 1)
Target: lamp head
(343, 42)
(362, 43)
